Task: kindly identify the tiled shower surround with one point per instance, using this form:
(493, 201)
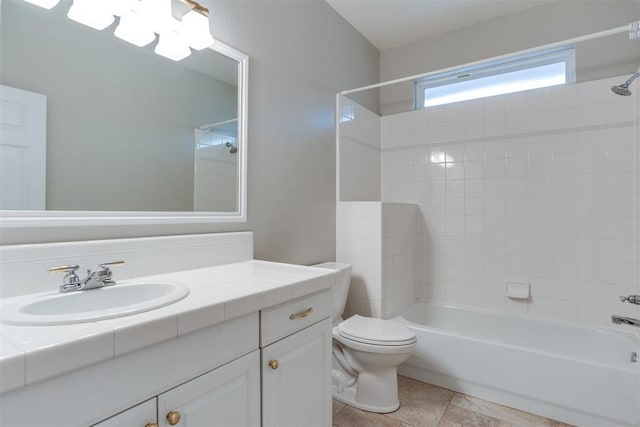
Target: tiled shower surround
(359, 159)
(538, 186)
(379, 241)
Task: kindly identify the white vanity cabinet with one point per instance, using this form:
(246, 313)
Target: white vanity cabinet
(296, 379)
(295, 341)
(226, 356)
(225, 397)
(296, 369)
(228, 396)
(271, 367)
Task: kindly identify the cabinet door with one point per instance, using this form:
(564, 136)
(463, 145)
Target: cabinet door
(227, 396)
(141, 415)
(296, 379)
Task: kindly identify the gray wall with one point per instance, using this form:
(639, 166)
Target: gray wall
(301, 53)
(120, 118)
(549, 23)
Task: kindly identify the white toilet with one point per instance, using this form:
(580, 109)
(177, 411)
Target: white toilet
(366, 352)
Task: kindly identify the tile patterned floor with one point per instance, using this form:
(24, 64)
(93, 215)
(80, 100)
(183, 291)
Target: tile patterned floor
(425, 405)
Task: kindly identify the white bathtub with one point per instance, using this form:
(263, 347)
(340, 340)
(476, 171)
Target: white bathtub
(569, 372)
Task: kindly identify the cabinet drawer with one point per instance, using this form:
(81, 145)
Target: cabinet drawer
(283, 320)
(141, 415)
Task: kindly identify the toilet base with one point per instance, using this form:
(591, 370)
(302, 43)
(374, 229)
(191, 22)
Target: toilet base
(348, 396)
(371, 391)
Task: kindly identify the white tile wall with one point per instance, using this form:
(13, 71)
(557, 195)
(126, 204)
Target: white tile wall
(24, 268)
(379, 241)
(359, 152)
(540, 186)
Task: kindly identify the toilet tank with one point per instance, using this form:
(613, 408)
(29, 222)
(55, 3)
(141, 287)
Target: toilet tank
(341, 288)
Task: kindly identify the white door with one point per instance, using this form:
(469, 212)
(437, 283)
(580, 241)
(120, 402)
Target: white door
(142, 415)
(228, 396)
(23, 136)
(296, 379)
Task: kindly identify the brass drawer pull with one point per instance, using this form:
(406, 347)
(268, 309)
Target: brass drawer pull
(305, 313)
(151, 425)
(274, 364)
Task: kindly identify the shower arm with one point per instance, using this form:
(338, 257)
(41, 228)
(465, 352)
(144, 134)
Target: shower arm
(631, 79)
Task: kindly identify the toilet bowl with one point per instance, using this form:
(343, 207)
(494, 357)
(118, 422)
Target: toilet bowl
(366, 353)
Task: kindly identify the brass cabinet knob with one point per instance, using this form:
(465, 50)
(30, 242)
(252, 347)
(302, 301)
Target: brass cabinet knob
(273, 364)
(151, 425)
(173, 417)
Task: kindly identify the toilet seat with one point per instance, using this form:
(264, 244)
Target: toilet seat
(372, 348)
(377, 332)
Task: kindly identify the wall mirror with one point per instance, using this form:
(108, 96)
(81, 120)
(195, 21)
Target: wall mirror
(94, 130)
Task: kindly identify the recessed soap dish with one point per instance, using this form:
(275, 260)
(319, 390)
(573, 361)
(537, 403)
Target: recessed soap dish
(517, 290)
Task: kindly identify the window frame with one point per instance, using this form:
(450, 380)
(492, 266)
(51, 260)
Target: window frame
(489, 68)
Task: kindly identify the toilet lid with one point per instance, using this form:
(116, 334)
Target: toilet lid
(375, 331)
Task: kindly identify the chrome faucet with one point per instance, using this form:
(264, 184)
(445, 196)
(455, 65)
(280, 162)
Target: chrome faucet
(633, 299)
(95, 279)
(622, 320)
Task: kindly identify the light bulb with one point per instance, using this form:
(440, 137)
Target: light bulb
(92, 13)
(134, 29)
(122, 7)
(196, 30)
(47, 4)
(158, 15)
(172, 45)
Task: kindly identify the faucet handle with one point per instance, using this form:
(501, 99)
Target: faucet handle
(104, 275)
(107, 264)
(70, 269)
(71, 281)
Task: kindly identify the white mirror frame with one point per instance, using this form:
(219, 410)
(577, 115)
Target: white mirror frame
(21, 218)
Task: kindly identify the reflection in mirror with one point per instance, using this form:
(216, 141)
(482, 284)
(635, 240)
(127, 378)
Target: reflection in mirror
(92, 123)
(216, 166)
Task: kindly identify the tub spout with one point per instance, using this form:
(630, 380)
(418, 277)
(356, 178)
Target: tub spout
(622, 320)
(633, 299)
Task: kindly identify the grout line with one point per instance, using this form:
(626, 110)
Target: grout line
(447, 408)
(361, 143)
(506, 137)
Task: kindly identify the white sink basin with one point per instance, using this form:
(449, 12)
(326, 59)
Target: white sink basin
(95, 304)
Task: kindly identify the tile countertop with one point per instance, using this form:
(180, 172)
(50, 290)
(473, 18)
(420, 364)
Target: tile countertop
(29, 354)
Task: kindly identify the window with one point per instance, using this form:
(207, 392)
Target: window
(515, 74)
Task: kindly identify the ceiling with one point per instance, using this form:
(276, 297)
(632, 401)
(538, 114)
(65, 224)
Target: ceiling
(392, 23)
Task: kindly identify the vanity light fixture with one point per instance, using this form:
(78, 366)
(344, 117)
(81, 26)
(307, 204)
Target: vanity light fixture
(133, 28)
(158, 14)
(141, 20)
(196, 26)
(46, 4)
(172, 45)
(97, 14)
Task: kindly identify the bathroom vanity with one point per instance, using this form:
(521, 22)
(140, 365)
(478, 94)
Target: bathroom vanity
(250, 345)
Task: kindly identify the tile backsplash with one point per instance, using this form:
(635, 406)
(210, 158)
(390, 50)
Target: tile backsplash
(24, 268)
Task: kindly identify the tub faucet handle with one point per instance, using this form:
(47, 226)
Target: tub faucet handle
(633, 299)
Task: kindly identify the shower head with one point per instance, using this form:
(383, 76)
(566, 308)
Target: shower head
(623, 89)
(233, 149)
